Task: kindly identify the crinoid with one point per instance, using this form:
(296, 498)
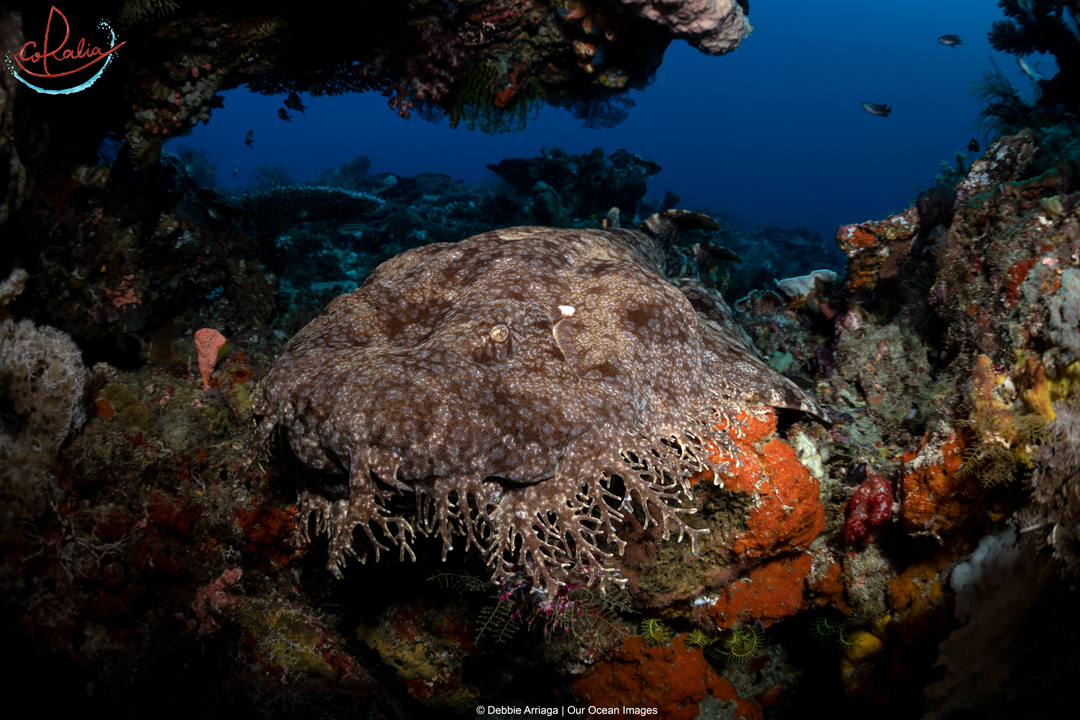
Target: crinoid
(833, 630)
(654, 631)
(698, 638)
(741, 643)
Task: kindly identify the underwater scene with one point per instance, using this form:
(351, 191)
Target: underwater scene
(687, 359)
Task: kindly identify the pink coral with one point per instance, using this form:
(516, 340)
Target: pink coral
(125, 294)
(869, 508)
(207, 343)
(212, 600)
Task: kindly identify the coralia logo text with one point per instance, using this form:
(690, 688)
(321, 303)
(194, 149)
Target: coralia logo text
(61, 60)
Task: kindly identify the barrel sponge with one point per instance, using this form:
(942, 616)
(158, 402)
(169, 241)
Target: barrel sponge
(42, 389)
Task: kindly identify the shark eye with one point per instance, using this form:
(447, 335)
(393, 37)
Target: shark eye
(499, 333)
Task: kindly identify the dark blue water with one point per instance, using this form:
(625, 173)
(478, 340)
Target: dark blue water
(771, 133)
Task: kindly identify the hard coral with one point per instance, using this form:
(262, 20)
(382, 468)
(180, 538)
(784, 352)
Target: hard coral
(504, 381)
(425, 644)
(712, 26)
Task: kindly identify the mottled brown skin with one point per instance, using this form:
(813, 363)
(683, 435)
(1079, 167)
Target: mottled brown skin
(503, 380)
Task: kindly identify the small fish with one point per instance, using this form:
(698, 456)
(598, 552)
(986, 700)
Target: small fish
(247, 139)
(973, 146)
(147, 164)
(875, 109)
(352, 227)
(1028, 70)
(157, 347)
(284, 115)
(357, 227)
(1025, 7)
(149, 155)
(218, 209)
(236, 170)
(293, 103)
(950, 40)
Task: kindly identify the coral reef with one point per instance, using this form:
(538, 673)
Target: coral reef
(563, 423)
(493, 64)
(268, 212)
(944, 409)
(586, 185)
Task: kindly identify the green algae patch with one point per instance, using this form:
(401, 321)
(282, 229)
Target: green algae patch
(132, 413)
(239, 398)
(285, 637)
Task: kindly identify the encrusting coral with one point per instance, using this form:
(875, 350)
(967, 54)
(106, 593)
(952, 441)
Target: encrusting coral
(506, 380)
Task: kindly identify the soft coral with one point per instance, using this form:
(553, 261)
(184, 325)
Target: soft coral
(869, 508)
